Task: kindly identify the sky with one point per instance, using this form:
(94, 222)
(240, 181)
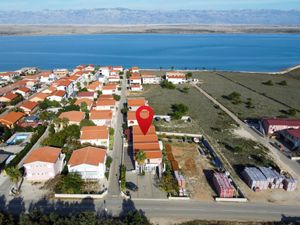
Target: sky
(35, 5)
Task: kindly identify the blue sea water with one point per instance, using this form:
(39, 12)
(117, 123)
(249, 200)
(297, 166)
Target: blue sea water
(245, 52)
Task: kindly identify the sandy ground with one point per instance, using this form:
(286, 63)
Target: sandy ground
(113, 29)
(241, 132)
(193, 166)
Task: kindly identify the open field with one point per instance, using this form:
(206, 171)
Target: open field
(193, 166)
(209, 120)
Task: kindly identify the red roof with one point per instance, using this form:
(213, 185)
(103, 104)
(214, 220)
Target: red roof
(282, 122)
(85, 94)
(44, 154)
(24, 89)
(29, 105)
(87, 155)
(58, 93)
(11, 96)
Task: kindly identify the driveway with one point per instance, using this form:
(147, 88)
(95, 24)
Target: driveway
(147, 184)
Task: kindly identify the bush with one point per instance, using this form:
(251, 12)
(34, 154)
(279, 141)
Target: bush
(167, 84)
(189, 75)
(49, 104)
(70, 108)
(123, 177)
(178, 110)
(70, 184)
(268, 83)
(116, 97)
(87, 122)
(283, 83)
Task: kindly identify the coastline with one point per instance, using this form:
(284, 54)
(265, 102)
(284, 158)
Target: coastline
(43, 30)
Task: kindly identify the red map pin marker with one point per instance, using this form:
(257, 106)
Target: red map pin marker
(144, 116)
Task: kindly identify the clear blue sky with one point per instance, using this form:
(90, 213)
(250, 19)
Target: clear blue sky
(149, 4)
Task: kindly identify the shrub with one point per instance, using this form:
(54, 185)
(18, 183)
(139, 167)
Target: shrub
(167, 84)
(283, 83)
(268, 83)
(178, 110)
(70, 184)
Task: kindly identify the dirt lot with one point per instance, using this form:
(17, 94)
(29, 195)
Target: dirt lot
(193, 166)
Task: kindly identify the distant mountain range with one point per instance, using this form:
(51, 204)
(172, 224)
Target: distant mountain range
(125, 16)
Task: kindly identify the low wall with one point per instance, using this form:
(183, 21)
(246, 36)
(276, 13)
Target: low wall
(81, 196)
(231, 199)
(179, 134)
(179, 198)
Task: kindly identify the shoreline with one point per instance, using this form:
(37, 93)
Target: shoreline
(81, 29)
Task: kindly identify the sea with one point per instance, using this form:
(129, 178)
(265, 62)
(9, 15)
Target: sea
(234, 52)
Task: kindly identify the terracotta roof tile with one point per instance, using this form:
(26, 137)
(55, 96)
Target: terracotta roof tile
(11, 96)
(94, 132)
(11, 118)
(44, 154)
(29, 105)
(88, 101)
(136, 130)
(73, 116)
(101, 115)
(87, 155)
(136, 102)
(106, 102)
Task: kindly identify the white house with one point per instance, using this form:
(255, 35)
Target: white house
(95, 135)
(48, 77)
(136, 87)
(135, 79)
(105, 104)
(57, 96)
(134, 103)
(114, 78)
(102, 117)
(105, 70)
(8, 76)
(134, 69)
(43, 164)
(65, 85)
(109, 89)
(150, 79)
(24, 91)
(176, 77)
(89, 162)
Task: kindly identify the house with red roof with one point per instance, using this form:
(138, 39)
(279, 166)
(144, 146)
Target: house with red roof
(47, 77)
(150, 78)
(95, 135)
(135, 78)
(102, 117)
(273, 125)
(74, 117)
(136, 87)
(24, 91)
(89, 162)
(134, 103)
(176, 77)
(29, 107)
(88, 102)
(118, 68)
(43, 164)
(10, 119)
(57, 96)
(134, 69)
(110, 89)
(105, 104)
(87, 94)
(8, 97)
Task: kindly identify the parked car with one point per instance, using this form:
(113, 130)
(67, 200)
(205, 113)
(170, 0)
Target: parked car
(131, 186)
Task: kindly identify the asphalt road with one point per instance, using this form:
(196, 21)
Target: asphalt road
(114, 175)
(284, 162)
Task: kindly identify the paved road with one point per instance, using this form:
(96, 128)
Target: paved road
(171, 209)
(113, 187)
(289, 165)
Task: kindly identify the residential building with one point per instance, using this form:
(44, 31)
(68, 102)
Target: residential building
(61, 72)
(8, 97)
(131, 117)
(134, 69)
(8, 76)
(176, 77)
(102, 117)
(49, 90)
(150, 78)
(39, 97)
(87, 94)
(89, 162)
(65, 85)
(43, 164)
(114, 73)
(47, 77)
(105, 104)
(74, 117)
(136, 87)
(95, 135)
(10, 119)
(109, 89)
(277, 124)
(114, 79)
(57, 96)
(24, 91)
(118, 68)
(134, 103)
(88, 102)
(152, 148)
(94, 87)
(293, 137)
(105, 70)
(29, 107)
(135, 78)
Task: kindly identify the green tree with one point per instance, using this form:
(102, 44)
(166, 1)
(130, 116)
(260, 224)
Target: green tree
(169, 184)
(268, 83)
(87, 122)
(14, 175)
(136, 218)
(167, 84)
(116, 97)
(84, 107)
(140, 157)
(283, 83)
(189, 75)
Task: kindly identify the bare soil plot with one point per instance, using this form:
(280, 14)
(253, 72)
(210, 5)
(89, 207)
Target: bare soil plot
(192, 166)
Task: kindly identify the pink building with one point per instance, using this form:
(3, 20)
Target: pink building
(277, 124)
(43, 164)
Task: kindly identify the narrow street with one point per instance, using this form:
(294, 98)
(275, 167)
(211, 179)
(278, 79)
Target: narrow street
(114, 174)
